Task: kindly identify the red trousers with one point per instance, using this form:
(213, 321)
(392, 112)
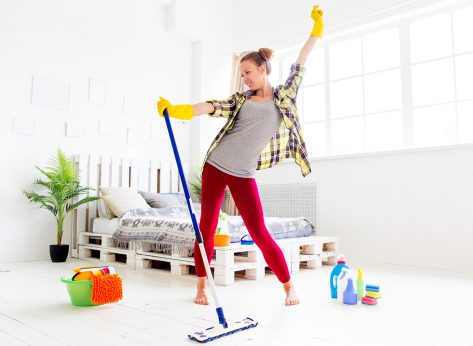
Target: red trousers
(245, 194)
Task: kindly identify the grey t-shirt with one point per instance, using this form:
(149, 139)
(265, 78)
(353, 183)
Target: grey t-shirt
(238, 151)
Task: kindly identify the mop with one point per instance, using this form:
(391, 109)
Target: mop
(223, 328)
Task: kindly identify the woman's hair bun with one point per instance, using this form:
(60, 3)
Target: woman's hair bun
(266, 53)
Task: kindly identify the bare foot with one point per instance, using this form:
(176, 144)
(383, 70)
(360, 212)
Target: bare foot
(201, 297)
(291, 296)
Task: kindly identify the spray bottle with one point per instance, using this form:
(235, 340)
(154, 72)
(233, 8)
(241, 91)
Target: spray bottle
(222, 226)
(349, 294)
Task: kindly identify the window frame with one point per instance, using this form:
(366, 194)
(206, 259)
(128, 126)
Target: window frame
(405, 65)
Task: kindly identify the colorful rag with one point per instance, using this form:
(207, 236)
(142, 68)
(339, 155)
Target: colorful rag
(106, 284)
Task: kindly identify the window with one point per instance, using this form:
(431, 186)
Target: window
(404, 86)
(465, 122)
(345, 59)
(365, 93)
(432, 82)
(464, 76)
(442, 71)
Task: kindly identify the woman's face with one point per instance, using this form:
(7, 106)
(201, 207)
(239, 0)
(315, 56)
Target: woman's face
(253, 76)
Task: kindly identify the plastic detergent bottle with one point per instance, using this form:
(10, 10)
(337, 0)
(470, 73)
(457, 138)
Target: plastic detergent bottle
(342, 281)
(360, 286)
(334, 275)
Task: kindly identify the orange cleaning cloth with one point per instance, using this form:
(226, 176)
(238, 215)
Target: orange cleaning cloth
(106, 289)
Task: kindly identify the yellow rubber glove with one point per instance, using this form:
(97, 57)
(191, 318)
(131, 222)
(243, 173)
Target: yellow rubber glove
(316, 15)
(183, 112)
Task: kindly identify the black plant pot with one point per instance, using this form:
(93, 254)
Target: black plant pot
(58, 253)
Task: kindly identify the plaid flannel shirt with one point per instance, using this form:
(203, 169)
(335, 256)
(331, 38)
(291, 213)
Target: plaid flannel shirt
(287, 142)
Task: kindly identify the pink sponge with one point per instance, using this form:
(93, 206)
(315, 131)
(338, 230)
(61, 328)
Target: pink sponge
(369, 301)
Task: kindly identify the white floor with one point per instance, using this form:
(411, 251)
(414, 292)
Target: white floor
(419, 307)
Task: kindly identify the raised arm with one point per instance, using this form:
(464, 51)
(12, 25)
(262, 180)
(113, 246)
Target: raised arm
(306, 49)
(214, 108)
(316, 33)
(203, 108)
(184, 111)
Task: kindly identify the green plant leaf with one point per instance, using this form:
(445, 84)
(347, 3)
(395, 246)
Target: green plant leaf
(85, 200)
(62, 187)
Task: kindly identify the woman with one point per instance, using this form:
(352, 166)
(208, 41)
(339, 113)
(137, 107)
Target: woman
(262, 130)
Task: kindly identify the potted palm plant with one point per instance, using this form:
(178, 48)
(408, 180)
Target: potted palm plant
(60, 195)
(196, 186)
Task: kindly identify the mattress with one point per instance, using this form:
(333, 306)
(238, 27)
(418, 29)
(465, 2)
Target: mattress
(170, 229)
(278, 227)
(104, 225)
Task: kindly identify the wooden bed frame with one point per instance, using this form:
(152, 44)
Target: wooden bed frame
(101, 170)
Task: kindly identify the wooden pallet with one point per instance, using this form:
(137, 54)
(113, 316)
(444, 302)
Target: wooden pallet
(313, 252)
(110, 255)
(96, 239)
(228, 261)
(179, 265)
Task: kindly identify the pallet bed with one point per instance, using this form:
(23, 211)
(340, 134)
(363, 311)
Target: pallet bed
(228, 262)
(234, 260)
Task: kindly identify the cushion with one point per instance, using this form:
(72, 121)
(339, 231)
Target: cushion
(104, 210)
(120, 203)
(104, 225)
(163, 200)
(105, 190)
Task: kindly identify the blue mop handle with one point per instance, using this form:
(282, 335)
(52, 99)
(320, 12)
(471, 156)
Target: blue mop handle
(198, 235)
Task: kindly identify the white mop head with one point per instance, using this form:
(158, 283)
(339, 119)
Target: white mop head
(216, 332)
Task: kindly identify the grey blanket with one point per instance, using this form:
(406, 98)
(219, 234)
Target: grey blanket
(170, 230)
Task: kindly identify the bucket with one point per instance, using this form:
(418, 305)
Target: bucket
(222, 239)
(79, 291)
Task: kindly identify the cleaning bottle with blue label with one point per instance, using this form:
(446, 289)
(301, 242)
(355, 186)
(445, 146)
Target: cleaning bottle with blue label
(334, 275)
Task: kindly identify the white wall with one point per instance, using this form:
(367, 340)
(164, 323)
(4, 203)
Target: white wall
(210, 26)
(410, 208)
(213, 20)
(122, 43)
(140, 49)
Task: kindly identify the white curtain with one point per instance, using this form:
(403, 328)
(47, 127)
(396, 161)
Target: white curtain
(228, 204)
(236, 83)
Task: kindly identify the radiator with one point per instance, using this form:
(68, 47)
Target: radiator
(289, 200)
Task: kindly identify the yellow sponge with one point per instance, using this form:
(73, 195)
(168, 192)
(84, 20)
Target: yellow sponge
(371, 294)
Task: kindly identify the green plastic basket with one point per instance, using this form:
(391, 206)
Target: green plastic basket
(79, 291)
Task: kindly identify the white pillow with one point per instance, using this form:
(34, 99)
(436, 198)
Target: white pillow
(121, 203)
(104, 210)
(105, 190)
